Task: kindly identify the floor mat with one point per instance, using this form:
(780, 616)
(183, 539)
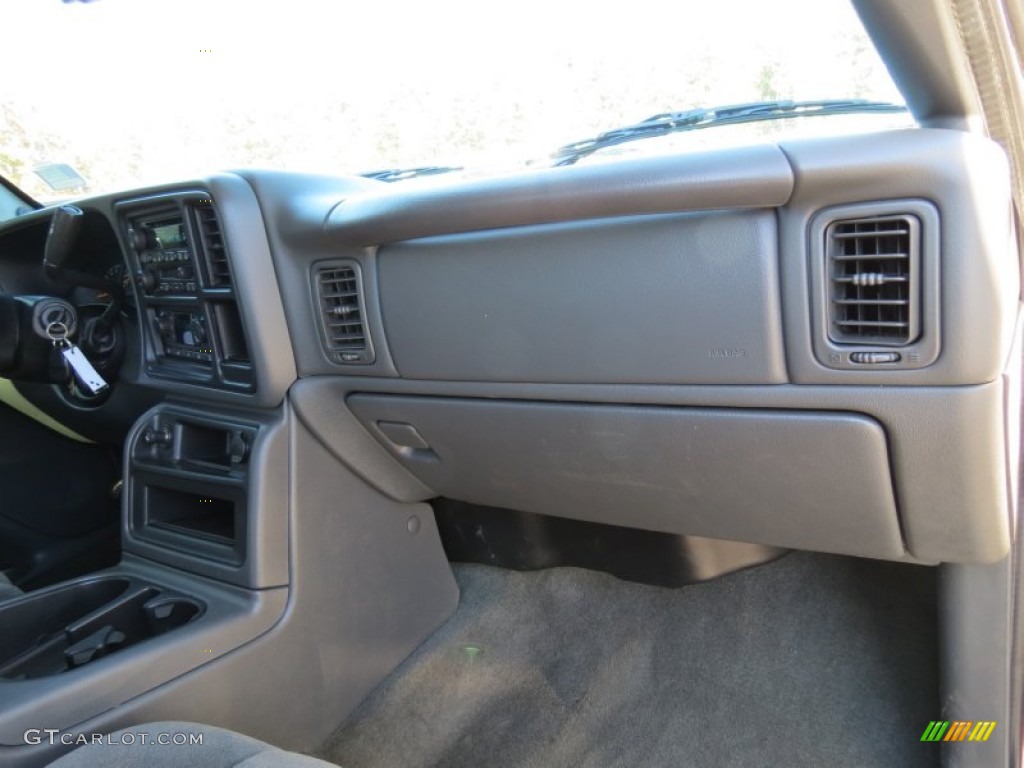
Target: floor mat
(811, 660)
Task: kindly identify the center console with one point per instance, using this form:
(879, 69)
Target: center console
(84, 621)
(178, 257)
(205, 571)
(206, 473)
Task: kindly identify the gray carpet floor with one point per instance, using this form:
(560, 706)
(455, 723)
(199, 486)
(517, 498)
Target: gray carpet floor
(812, 660)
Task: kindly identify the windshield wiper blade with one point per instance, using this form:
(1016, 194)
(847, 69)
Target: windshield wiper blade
(696, 119)
(401, 174)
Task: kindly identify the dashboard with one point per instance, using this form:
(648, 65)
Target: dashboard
(808, 345)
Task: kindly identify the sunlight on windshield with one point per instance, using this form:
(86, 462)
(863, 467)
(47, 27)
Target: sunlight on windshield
(129, 92)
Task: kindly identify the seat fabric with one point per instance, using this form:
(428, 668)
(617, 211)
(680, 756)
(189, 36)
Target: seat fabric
(220, 748)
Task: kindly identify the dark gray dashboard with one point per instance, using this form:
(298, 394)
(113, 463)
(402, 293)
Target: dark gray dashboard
(555, 339)
(698, 281)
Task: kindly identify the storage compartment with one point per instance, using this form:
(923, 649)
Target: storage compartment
(57, 630)
(207, 445)
(204, 517)
(236, 363)
(191, 513)
(801, 479)
(232, 336)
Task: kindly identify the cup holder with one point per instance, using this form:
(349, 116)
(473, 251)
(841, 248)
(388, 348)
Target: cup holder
(65, 628)
(167, 613)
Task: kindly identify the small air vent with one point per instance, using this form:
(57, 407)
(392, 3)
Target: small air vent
(213, 245)
(873, 266)
(341, 310)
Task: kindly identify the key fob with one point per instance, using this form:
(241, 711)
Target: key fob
(59, 370)
(83, 370)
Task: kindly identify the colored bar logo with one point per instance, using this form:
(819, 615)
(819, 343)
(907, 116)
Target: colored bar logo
(958, 730)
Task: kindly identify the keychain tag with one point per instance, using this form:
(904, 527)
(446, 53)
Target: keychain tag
(87, 376)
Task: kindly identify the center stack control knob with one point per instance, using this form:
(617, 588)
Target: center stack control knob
(141, 238)
(147, 279)
(165, 322)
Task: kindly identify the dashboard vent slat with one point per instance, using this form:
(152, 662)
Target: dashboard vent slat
(854, 235)
(339, 293)
(872, 274)
(213, 245)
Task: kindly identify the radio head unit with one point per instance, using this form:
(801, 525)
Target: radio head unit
(166, 259)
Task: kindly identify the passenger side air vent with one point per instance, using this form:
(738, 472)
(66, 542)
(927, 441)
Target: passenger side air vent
(873, 271)
(339, 291)
(213, 245)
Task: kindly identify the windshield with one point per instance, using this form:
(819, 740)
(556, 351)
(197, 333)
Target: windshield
(120, 93)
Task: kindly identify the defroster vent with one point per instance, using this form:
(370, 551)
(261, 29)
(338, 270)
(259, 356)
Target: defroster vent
(339, 290)
(873, 268)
